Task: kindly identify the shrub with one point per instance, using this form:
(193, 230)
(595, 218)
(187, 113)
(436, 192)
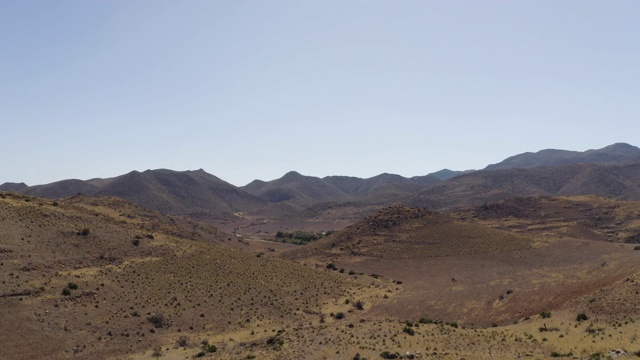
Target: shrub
(425, 321)
(331, 266)
(158, 320)
(409, 330)
(73, 286)
(157, 352)
(389, 355)
(210, 348)
(84, 232)
(135, 242)
(582, 317)
(182, 341)
(360, 305)
(545, 314)
(66, 292)
(275, 341)
(637, 247)
(340, 316)
(557, 354)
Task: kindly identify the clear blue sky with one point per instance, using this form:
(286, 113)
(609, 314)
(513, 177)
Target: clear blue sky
(253, 89)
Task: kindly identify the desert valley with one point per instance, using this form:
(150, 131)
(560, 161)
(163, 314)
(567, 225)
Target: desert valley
(534, 257)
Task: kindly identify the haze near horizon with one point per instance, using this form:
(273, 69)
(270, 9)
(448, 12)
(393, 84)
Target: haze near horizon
(248, 89)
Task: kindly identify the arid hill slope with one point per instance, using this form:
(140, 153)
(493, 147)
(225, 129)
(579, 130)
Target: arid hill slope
(401, 233)
(581, 217)
(100, 277)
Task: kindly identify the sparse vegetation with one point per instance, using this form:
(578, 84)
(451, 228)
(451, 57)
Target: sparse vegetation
(114, 292)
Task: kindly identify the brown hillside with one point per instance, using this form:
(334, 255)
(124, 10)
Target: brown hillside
(134, 281)
(400, 233)
(475, 271)
(581, 217)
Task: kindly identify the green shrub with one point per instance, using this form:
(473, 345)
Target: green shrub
(557, 354)
(66, 292)
(84, 232)
(210, 348)
(73, 286)
(135, 242)
(299, 237)
(545, 314)
(331, 266)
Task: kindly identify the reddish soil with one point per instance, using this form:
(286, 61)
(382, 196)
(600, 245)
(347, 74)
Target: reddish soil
(498, 288)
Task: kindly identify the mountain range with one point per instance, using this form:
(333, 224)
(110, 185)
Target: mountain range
(613, 172)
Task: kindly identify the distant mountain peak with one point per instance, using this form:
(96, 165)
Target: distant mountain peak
(621, 148)
(292, 175)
